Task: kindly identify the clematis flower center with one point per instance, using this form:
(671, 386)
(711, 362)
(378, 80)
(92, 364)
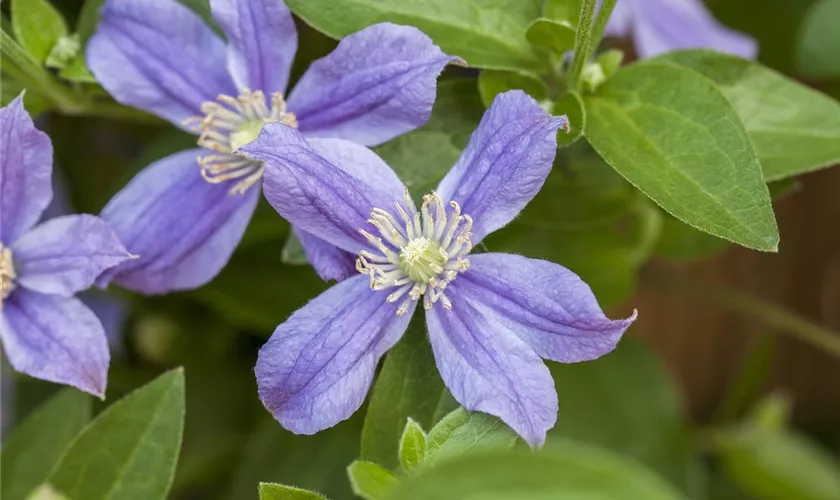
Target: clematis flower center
(229, 123)
(7, 273)
(420, 255)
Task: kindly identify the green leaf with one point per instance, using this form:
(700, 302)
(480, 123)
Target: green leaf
(46, 492)
(412, 445)
(38, 26)
(571, 105)
(568, 472)
(486, 33)
(778, 465)
(293, 252)
(651, 426)
(271, 491)
(369, 480)
(672, 134)
(563, 11)
(794, 129)
(492, 83)
(463, 432)
(557, 36)
(610, 62)
(408, 386)
(458, 110)
(128, 451)
(420, 158)
(816, 47)
(36, 445)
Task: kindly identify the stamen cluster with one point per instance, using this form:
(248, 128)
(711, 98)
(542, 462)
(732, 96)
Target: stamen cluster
(422, 255)
(7, 273)
(229, 123)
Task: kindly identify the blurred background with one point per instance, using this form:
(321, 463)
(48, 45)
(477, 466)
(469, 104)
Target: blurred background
(725, 335)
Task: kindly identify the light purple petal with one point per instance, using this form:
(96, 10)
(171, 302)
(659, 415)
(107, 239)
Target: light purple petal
(488, 368)
(505, 164)
(317, 367)
(548, 306)
(157, 55)
(377, 84)
(668, 25)
(66, 254)
(262, 41)
(182, 228)
(329, 261)
(621, 20)
(315, 195)
(55, 338)
(26, 157)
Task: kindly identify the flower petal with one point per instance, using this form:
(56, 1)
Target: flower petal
(316, 195)
(377, 84)
(157, 55)
(317, 367)
(621, 20)
(329, 261)
(668, 25)
(262, 41)
(66, 254)
(55, 338)
(488, 368)
(182, 228)
(547, 305)
(505, 164)
(26, 156)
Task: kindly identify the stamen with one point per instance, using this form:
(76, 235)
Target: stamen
(421, 261)
(229, 123)
(7, 273)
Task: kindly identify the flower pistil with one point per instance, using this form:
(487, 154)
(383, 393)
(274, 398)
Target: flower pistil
(422, 255)
(230, 122)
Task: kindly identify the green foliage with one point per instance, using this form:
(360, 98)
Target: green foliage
(271, 491)
(369, 480)
(794, 129)
(37, 443)
(569, 471)
(564, 11)
(412, 446)
(571, 105)
(816, 48)
(486, 33)
(557, 36)
(462, 432)
(408, 386)
(670, 132)
(130, 450)
(492, 83)
(38, 27)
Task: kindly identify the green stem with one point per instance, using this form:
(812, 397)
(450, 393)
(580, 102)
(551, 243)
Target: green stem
(604, 14)
(583, 42)
(749, 382)
(780, 319)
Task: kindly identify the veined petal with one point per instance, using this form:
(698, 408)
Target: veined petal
(545, 304)
(262, 41)
(317, 367)
(55, 338)
(668, 25)
(182, 228)
(488, 368)
(316, 195)
(157, 55)
(377, 84)
(66, 254)
(26, 157)
(505, 163)
(329, 261)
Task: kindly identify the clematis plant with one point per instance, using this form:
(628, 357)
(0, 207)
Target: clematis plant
(660, 26)
(185, 217)
(490, 316)
(47, 332)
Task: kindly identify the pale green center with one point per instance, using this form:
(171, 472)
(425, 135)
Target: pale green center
(245, 133)
(421, 260)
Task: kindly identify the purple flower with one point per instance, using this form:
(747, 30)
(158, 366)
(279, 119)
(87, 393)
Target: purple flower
(48, 333)
(184, 219)
(490, 317)
(659, 26)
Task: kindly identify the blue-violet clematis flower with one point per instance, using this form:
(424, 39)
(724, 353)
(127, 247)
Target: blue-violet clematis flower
(47, 332)
(659, 26)
(185, 219)
(490, 316)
